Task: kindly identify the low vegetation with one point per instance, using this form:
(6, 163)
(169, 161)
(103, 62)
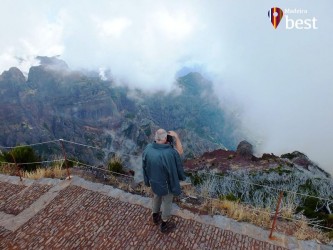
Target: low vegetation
(115, 165)
(21, 154)
(56, 171)
(307, 199)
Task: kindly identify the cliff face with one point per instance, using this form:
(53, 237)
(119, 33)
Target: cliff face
(55, 102)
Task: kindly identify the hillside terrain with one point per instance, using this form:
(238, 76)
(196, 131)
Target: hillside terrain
(55, 102)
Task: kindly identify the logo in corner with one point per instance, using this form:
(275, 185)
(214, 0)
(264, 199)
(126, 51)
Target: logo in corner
(275, 14)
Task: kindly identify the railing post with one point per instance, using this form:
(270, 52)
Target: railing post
(65, 157)
(276, 214)
(17, 167)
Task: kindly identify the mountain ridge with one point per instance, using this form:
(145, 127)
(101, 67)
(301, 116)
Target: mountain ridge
(56, 102)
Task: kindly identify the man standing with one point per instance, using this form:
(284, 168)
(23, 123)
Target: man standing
(162, 171)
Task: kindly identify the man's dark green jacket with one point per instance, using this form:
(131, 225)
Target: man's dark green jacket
(162, 169)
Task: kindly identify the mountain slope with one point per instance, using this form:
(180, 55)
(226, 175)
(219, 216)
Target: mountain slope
(56, 102)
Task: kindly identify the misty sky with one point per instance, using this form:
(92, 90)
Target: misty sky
(279, 82)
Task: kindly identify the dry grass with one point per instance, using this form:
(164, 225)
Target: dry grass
(7, 169)
(37, 174)
(113, 180)
(287, 212)
(144, 190)
(124, 186)
(288, 207)
(53, 172)
(262, 217)
(302, 230)
(58, 171)
(189, 190)
(240, 212)
(305, 232)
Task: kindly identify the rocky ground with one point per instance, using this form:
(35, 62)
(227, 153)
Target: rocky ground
(221, 161)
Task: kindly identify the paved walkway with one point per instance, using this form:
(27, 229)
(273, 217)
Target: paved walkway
(81, 215)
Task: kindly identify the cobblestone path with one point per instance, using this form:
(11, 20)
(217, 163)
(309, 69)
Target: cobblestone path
(17, 201)
(3, 233)
(78, 218)
(7, 190)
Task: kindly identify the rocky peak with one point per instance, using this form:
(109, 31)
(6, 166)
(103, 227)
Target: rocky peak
(13, 75)
(303, 161)
(298, 158)
(52, 62)
(245, 149)
(193, 83)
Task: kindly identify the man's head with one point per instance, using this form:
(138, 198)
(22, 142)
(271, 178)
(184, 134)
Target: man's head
(161, 136)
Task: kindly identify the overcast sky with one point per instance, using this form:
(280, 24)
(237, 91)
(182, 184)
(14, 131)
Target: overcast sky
(279, 81)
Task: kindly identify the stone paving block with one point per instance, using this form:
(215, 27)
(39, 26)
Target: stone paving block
(115, 193)
(309, 245)
(83, 183)
(125, 197)
(15, 180)
(4, 178)
(144, 201)
(27, 182)
(326, 247)
(254, 231)
(235, 226)
(136, 199)
(185, 214)
(11, 179)
(222, 222)
(105, 189)
(77, 181)
(292, 244)
(48, 181)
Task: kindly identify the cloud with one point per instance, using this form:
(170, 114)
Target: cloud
(114, 27)
(279, 82)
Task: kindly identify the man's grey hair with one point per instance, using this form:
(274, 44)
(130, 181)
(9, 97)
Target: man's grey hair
(160, 135)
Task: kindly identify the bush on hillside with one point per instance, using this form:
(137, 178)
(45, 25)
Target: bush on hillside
(115, 165)
(23, 154)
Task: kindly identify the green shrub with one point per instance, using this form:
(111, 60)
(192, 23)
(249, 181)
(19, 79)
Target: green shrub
(195, 179)
(229, 197)
(279, 169)
(308, 187)
(23, 154)
(69, 163)
(115, 165)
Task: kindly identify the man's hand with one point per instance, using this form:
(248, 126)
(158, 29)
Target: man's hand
(173, 133)
(178, 144)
